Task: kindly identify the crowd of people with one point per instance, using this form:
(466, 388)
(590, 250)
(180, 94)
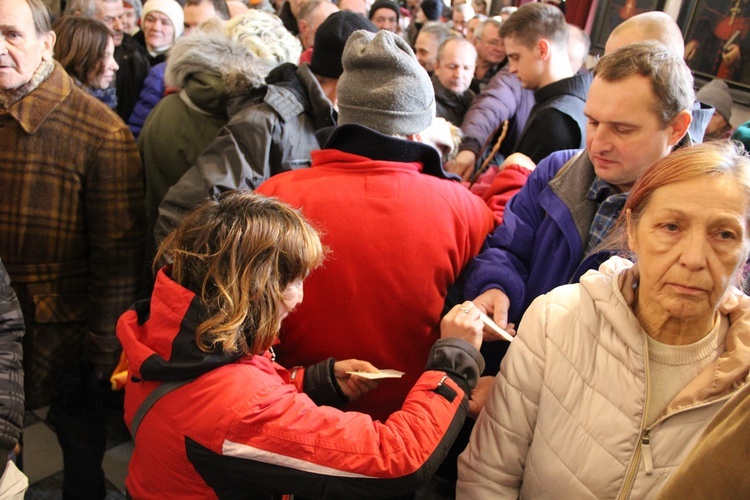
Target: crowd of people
(178, 173)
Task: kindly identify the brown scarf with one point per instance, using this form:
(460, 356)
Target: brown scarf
(9, 97)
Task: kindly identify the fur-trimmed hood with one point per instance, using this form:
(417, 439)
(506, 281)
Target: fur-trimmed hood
(239, 68)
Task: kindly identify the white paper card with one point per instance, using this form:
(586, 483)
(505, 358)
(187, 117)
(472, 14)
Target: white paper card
(379, 374)
(487, 321)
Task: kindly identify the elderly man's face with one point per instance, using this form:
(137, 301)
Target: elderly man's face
(128, 20)
(385, 19)
(624, 135)
(490, 47)
(426, 48)
(455, 68)
(110, 13)
(308, 27)
(21, 49)
(471, 25)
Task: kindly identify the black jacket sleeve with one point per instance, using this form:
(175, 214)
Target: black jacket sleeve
(11, 369)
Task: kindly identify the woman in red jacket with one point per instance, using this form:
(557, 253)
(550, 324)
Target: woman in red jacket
(212, 414)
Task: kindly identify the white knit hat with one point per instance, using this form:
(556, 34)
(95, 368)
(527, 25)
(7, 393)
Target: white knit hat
(169, 8)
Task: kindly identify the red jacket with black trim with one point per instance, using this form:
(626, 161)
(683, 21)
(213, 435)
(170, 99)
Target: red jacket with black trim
(240, 429)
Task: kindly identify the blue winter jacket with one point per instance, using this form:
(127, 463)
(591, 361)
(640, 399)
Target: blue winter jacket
(151, 93)
(540, 244)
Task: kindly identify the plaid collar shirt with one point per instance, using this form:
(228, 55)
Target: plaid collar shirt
(609, 205)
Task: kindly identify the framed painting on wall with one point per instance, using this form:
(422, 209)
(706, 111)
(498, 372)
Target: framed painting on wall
(717, 40)
(610, 13)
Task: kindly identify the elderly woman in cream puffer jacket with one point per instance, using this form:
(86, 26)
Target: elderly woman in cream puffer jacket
(611, 381)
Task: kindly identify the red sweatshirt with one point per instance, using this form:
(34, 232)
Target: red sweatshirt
(398, 238)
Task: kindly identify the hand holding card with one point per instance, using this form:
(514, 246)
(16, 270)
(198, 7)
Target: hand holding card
(493, 326)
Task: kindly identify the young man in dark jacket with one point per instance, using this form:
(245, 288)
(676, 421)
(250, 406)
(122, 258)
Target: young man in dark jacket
(536, 42)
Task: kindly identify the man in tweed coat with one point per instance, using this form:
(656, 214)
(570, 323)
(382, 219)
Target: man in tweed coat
(72, 226)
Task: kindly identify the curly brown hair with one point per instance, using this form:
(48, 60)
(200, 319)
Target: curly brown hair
(239, 253)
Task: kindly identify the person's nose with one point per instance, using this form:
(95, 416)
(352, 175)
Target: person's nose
(693, 249)
(600, 138)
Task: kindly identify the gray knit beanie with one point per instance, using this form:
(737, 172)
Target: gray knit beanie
(716, 93)
(383, 87)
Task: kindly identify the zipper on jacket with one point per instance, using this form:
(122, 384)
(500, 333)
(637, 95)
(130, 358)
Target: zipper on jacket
(630, 474)
(644, 444)
(632, 470)
(648, 463)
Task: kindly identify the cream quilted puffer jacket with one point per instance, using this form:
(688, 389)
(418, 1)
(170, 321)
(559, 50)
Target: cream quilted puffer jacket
(565, 416)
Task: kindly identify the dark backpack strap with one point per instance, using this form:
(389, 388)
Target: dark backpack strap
(152, 398)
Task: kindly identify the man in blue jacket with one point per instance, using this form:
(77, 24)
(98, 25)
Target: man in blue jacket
(638, 110)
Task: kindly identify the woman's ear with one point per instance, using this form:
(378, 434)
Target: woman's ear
(631, 231)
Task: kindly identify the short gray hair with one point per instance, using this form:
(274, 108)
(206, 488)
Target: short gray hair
(41, 15)
(454, 39)
(85, 8)
(308, 8)
(479, 30)
(437, 30)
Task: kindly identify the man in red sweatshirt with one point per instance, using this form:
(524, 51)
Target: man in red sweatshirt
(399, 228)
